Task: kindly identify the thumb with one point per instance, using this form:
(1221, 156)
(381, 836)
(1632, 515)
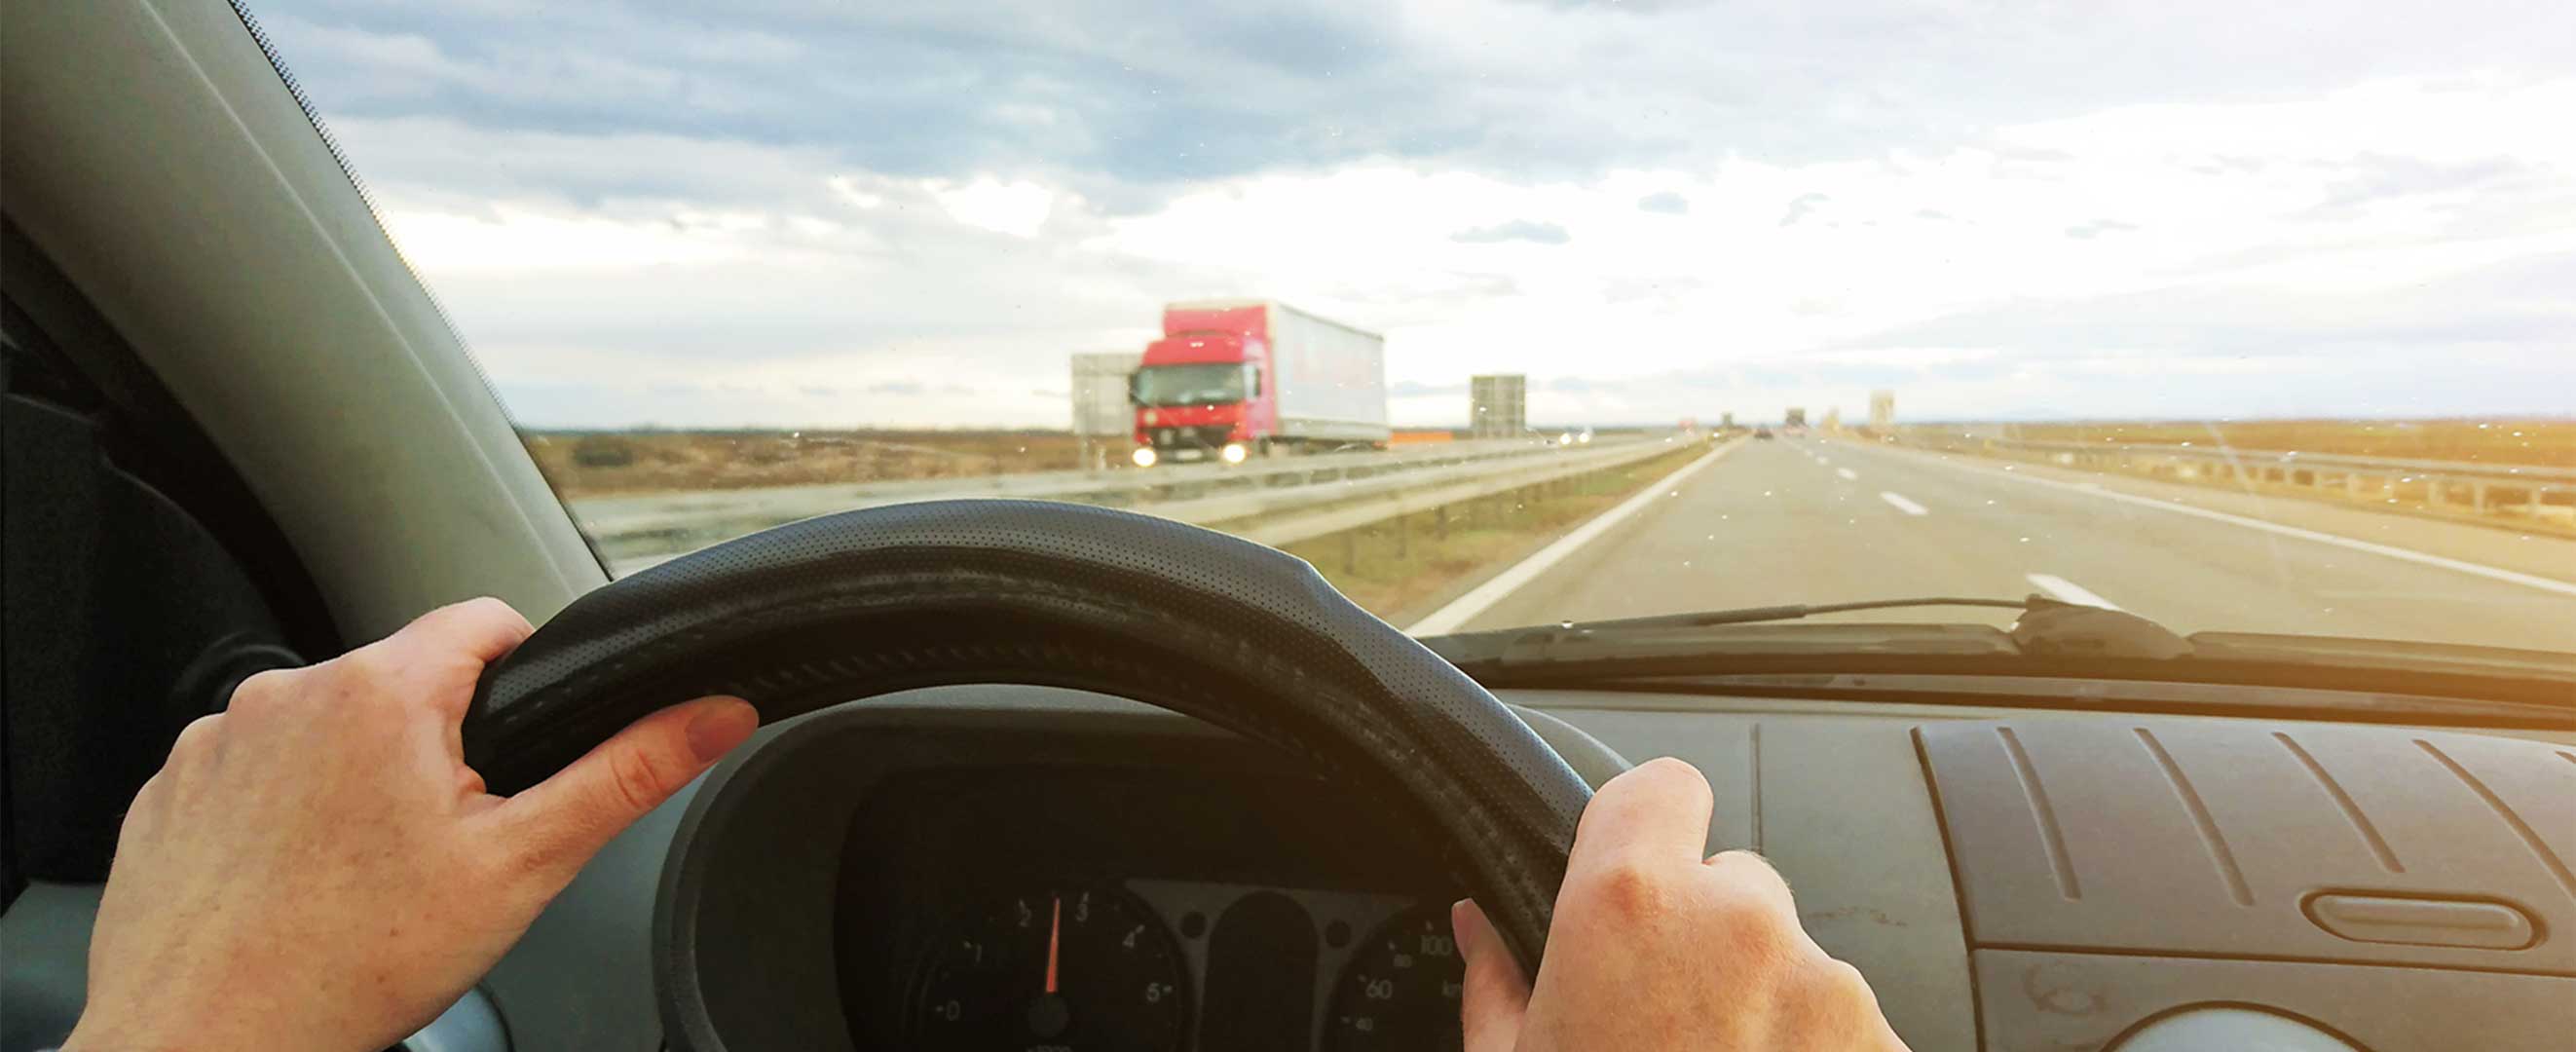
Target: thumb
(558, 824)
(1496, 995)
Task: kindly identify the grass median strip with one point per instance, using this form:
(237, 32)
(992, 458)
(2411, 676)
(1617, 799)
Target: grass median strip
(1396, 567)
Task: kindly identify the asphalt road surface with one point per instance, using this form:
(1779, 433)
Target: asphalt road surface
(1814, 521)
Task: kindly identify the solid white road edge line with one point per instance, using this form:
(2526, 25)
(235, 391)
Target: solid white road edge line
(1848, 474)
(1478, 599)
(1902, 504)
(2066, 591)
(2492, 573)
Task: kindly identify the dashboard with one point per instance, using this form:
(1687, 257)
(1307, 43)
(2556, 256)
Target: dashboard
(1033, 869)
(1084, 907)
(1055, 871)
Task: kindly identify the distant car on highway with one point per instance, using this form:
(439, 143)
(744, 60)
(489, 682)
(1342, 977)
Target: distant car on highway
(1762, 432)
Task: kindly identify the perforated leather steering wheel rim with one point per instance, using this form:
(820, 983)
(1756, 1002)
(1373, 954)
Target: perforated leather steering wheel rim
(874, 601)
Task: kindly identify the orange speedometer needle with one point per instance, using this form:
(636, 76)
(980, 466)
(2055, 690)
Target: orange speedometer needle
(1055, 936)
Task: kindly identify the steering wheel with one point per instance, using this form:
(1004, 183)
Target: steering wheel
(870, 602)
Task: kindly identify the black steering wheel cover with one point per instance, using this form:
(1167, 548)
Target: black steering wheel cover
(869, 602)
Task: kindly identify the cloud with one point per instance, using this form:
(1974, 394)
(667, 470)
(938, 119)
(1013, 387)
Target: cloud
(2096, 228)
(2504, 305)
(915, 387)
(1664, 202)
(1801, 207)
(809, 212)
(1514, 230)
(1015, 208)
(1129, 106)
(2373, 179)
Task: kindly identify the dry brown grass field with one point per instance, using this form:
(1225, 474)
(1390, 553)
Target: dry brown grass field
(604, 463)
(2530, 441)
(597, 463)
(2549, 443)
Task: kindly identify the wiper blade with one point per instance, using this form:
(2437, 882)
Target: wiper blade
(2047, 627)
(1752, 614)
(2051, 639)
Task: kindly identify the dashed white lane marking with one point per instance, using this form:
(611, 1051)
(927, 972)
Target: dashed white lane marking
(1848, 474)
(2491, 573)
(1902, 504)
(2066, 591)
(1466, 607)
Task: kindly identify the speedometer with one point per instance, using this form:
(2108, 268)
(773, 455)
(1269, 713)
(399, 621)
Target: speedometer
(1402, 990)
(1065, 968)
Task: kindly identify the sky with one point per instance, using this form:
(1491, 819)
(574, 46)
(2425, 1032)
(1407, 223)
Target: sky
(793, 213)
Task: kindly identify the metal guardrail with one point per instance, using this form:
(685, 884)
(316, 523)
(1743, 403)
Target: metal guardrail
(1348, 489)
(2475, 487)
(1353, 505)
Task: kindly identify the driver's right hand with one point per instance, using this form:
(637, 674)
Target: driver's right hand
(1655, 948)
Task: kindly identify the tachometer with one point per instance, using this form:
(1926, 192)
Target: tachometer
(1073, 968)
(1402, 990)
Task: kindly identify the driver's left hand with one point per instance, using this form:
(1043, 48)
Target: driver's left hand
(317, 868)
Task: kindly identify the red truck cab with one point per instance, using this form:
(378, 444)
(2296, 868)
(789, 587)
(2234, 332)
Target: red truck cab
(1201, 390)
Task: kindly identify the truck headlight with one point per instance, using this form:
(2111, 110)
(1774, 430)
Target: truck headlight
(1233, 452)
(1143, 456)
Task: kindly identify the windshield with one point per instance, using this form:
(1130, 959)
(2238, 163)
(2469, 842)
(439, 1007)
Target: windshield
(1189, 384)
(1573, 311)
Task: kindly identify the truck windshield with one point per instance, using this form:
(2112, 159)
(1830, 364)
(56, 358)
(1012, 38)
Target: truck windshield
(1189, 384)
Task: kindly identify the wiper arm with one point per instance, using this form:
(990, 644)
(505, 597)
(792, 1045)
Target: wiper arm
(2047, 627)
(1752, 614)
(2051, 639)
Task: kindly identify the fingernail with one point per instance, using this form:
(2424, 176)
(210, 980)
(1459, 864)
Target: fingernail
(1462, 925)
(720, 728)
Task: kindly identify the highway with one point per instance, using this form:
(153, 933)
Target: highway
(1812, 521)
(634, 531)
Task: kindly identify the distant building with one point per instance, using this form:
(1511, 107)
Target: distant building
(1833, 418)
(1882, 410)
(1498, 405)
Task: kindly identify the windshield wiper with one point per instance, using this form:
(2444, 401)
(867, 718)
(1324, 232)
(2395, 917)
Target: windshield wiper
(2050, 639)
(2046, 627)
(1746, 615)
